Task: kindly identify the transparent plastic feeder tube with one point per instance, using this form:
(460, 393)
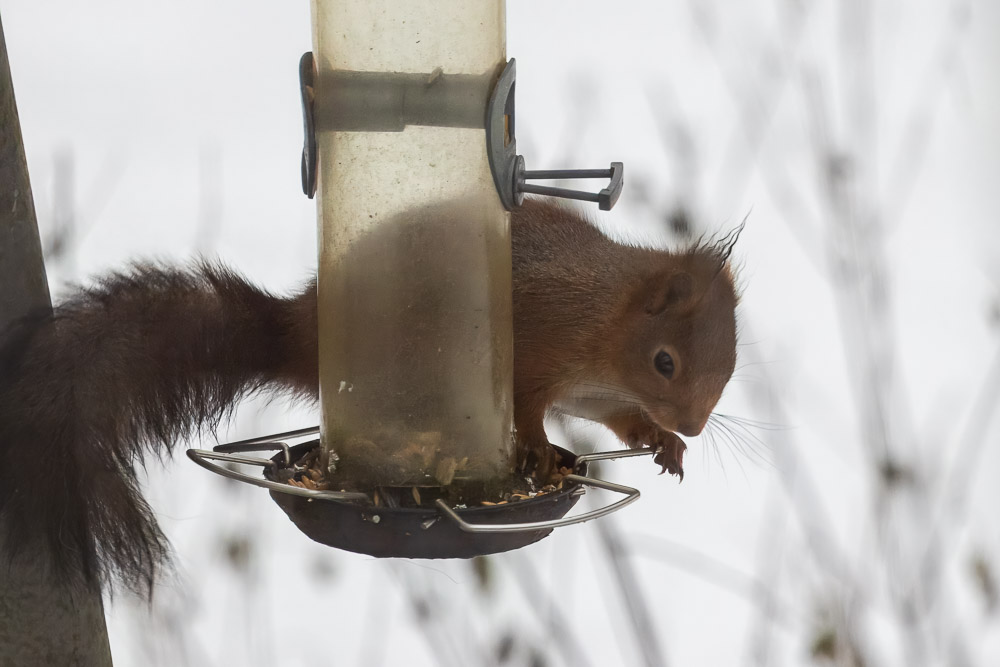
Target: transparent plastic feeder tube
(415, 341)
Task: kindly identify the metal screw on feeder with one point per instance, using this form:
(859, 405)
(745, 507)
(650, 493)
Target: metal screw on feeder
(416, 376)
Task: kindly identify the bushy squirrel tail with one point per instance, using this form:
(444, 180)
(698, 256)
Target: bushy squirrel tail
(145, 358)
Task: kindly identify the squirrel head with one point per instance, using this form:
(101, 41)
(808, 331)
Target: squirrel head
(681, 347)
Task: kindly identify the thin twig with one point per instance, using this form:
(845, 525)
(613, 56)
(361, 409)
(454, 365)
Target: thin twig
(616, 550)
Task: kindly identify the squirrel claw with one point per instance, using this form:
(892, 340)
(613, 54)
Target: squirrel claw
(670, 457)
(542, 462)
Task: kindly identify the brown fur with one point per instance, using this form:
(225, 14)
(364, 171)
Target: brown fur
(153, 355)
(591, 312)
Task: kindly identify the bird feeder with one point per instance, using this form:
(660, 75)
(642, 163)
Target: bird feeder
(410, 152)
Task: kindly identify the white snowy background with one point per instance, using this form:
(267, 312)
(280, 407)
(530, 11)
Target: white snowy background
(853, 521)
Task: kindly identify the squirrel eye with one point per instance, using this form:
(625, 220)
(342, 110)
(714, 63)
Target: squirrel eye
(664, 364)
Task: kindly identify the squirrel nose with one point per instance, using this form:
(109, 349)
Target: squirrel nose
(690, 429)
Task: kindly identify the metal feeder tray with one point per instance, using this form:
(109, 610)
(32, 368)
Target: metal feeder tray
(350, 521)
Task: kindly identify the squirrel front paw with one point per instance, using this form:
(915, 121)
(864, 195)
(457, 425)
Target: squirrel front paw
(668, 445)
(669, 449)
(670, 454)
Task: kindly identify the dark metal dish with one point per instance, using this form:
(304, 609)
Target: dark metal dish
(422, 533)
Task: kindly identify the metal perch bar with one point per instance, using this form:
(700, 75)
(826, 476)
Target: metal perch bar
(631, 495)
(202, 457)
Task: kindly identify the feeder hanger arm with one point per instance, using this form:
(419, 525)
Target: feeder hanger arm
(367, 102)
(509, 172)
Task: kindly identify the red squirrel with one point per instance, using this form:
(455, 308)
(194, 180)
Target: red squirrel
(643, 341)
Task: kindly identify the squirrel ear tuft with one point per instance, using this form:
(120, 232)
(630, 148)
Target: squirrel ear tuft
(673, 291)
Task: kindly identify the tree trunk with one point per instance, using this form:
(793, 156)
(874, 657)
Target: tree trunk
(42, 621)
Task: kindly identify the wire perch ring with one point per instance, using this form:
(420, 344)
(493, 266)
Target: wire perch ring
(232, 453)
